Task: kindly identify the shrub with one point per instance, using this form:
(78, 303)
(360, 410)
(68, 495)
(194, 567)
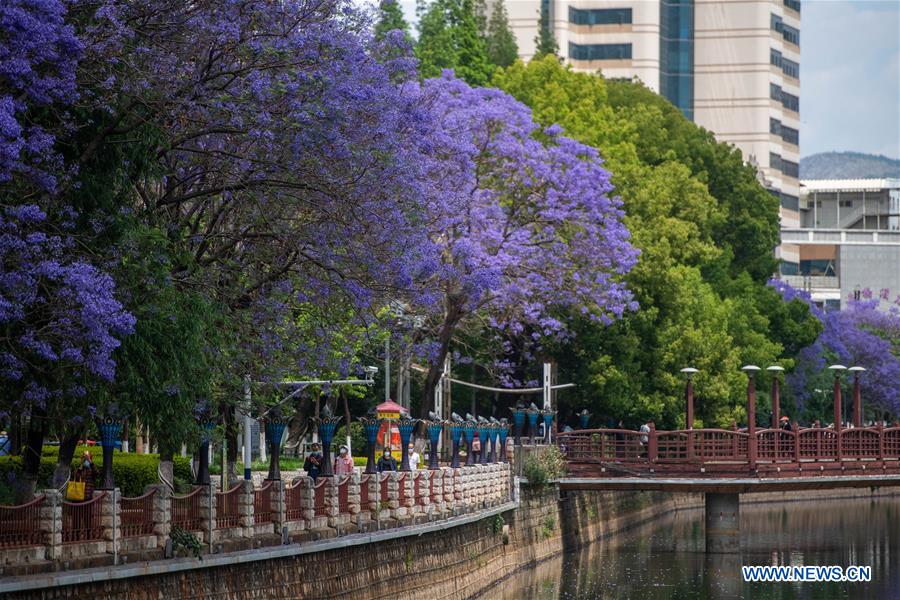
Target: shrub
(544, 465)
(132, 472)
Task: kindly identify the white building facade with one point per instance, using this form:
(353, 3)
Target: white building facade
(848, 239)
(731, 66)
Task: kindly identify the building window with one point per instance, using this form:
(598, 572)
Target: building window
(774, 126)
(599, 51)
(790, 202)
(793, 4)
(774, 161)
(790, 268)
(775, 58)
(777, 24)
(791, 169)
(790, 135)
(790, 102)
(676, 53)
(775, 92)
(599, 16)
(790, 68)
(790, 34)
(846, 203)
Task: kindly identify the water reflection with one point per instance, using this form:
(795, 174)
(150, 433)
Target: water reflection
(665, 559)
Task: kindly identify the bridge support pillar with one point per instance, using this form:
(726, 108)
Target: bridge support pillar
(723, 523)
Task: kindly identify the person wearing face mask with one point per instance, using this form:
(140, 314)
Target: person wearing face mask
(87, 473)
(343, 463)
(386, 462)
(414, 458)
(313, 463)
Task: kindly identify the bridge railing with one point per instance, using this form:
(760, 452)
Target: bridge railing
(708, 446)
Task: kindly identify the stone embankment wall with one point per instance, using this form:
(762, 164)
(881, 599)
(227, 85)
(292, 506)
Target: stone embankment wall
(459, 558)
(452, 560)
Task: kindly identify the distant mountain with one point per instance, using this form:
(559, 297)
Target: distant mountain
(848, 165)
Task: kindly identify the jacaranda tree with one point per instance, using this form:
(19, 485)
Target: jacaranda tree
(523, 220)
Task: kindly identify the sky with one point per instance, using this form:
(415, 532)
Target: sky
(849, 75)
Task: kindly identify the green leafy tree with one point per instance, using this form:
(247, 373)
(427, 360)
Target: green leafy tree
(705, 228)
(450, 38)
(391, 19)
(499, 40)
(545, 41)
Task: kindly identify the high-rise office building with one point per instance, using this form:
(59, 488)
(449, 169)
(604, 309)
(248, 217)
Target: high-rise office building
(731, 66)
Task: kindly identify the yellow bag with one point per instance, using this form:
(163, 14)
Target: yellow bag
(75, 491)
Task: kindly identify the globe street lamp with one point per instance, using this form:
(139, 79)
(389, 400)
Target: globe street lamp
(776, 395)
(326, 426)
(583, 418)
(504, 432)
(533, 413)
(469, 431)
(371, 426)
(751, 371)
(857, 396)
(456, 431)
(547, 416)
(838, 410)
(110, 427)
(518, 423)
(275, 426)
(405, 426)
(435, 428)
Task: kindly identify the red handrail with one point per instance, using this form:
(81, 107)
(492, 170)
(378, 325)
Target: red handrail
(20, 525)
(186, 512)
(319, 498)
(137, 515)
(82, 520)
(293, 507)
(227, 514)
(344, 495)
(262, 504)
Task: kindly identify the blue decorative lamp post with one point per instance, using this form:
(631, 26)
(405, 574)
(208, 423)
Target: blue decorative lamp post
(533, 413)
(504, 433)
(371, 425)
(456, 431)
(275, 426)
(548, 419)
(110, 427)
(434, 436)
(494, 433)
(583, 417)
(207, 424)
(327, 424)
(405, 425)
(484, 435)
(518, 424)
(469, 431)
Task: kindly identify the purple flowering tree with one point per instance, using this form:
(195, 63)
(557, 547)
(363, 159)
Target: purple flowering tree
(38, 55)
(523, 220)
(59, 326)
(866, 333)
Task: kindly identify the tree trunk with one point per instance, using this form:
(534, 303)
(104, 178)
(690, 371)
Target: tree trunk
(64, 461)
(31, 462)
(138, 436)
(231, 435)
(167, 465)
(451, 320)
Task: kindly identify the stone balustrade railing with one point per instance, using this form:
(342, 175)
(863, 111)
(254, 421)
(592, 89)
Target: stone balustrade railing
(112, 529)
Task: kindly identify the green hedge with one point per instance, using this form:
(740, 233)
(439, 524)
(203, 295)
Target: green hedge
(132, 472)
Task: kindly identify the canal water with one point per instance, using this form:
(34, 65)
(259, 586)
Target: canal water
(665, 559)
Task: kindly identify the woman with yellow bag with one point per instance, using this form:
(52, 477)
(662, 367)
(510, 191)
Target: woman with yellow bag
(81, 486)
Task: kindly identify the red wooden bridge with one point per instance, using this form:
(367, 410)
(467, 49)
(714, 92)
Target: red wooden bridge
(724, 463)
(712, 453)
